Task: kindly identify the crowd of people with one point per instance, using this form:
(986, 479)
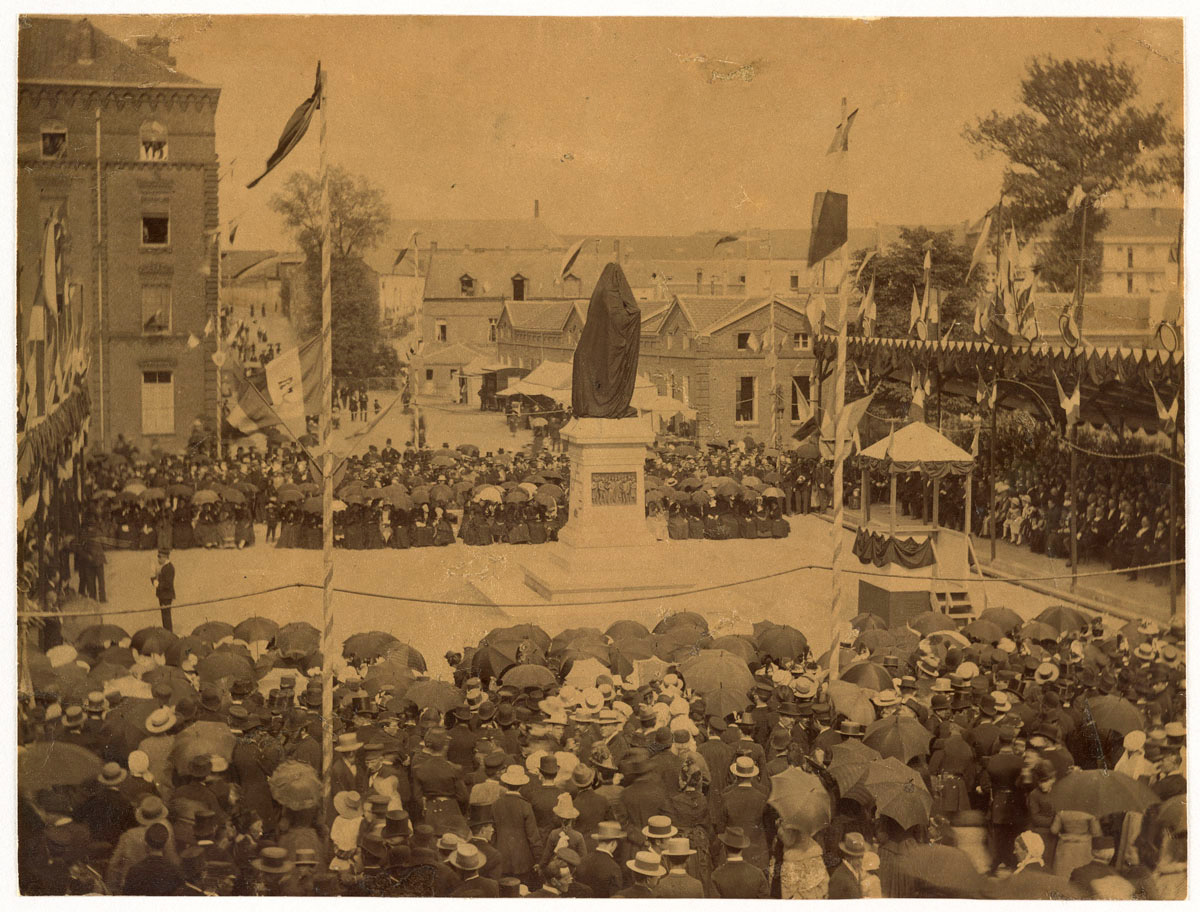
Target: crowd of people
(1009, 759)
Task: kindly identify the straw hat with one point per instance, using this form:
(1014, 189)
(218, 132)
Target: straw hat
(161, 720)
(467, 857)
(648, 864)
(514, 776)
(744, 768)
(565, 807)
(659, 827)
(111, 774)
(348, 804)
(678, 847)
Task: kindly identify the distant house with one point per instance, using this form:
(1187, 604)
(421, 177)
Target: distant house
(257, 278)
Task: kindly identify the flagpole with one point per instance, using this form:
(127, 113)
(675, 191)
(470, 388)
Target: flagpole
(220, 395)
(326, 428)
(100, 287)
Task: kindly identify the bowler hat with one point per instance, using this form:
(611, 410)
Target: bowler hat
(853, 845)
(735, 838)
(607, 831)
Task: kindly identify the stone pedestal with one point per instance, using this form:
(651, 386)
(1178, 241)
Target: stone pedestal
(606, 550)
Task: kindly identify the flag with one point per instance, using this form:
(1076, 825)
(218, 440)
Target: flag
(1069, 404)
(914, 311)
(980, 245)
(1166, 415)
(891, 439)
(848, 420)
(864, 381)
(234, 227)
(727, 239)
(985, 393)
(841, 136)
(975, 442)
(867, 308)
(829, 225)
(814, 309)
(572, 255)
(753, 342)
(920, 389)
(804, 412)
(293, 390)
(293, 130)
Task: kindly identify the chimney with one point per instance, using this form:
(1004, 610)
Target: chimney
(85, 36)
(156, 47)
(617, 251)
(535, 209)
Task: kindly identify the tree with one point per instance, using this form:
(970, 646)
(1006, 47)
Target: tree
(358, 214)
(901, 268)
(1080, 126)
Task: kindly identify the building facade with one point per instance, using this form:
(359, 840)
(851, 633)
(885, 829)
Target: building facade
(122, 145)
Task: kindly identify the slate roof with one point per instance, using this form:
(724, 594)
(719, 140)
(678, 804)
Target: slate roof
(64, 49)
(1143, 222)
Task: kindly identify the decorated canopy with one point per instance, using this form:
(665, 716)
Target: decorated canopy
(917, 447)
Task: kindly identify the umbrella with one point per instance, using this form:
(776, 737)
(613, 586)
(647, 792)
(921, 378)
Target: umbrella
(402, 653)
(440, 695)
(295, 785)
(783, 642)
(205, 497)
(1172, 813)
(1064, 619)
(1101, 792)
(99, 637)
(567, 638)
(528, 676)
(490, 661)
(900, 737)
(686, 450)
(440, 493)
(800, 800)
(256, 629)
(202, 739)
(366, 647)
(945, 638)
(866, 622)
(173, 678)
(297, 640)
(550, 489)
(468, 449)
(1036, 885)
(102, 673)
(489, 493)
(233, 495)
(516, 495)
(178, 652)
(879, 642)
(584, 672)
(984, 631)
(846, 658)
(681, 618)
(772, 492)
(121, 656)
(223, 664)
(179, 490)
(852, 701)
(130, 688)
(290, 495)
(740, 646)
(213, 631)
(646, 671)
(870, 675)
(945, 871)
(715, 668)
(930, 622)
(135, 488)
(1036, 630)
(1113, 713)
(724, 701)
(45, 764)
(588, 649)
(442, 461)
(1004, 618)
(312, 504)
(848, 762)
(519, 632)
(898, 791)
(154, 640)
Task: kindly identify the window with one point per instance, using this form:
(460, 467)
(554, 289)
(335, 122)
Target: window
(743, 341)
(156, 230)
(741, 280)
(1129, 283)
(745, 405)
(518, 284)
(800, 341)
(493, 322)
(54, 142)
(158, 402)
(713, 282)
(429, 373)
(670, 340)
(799, 394)
(466, 285)
(440, 327)
(1129, 258)
(156, 309)
(152, 142)
(794, 281)
(699, 279)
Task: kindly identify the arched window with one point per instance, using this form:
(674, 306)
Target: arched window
(152, 142)
(54, 140)
(466, 285)
(518, 287)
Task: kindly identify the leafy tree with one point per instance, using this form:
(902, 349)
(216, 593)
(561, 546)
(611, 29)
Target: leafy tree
(1080, 125)
(358, 352)
(901, 267)
(359, 215)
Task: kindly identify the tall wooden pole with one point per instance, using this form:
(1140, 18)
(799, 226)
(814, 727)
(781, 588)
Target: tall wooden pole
(99, 328)
(1172, 542)
(220, 335)
(995, 395)
(1073, 429)
(839, 461)
(326, 429)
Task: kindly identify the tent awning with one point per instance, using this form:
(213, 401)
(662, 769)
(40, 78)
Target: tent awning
(918, 447)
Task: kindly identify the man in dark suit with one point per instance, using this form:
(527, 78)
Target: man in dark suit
(643, 796)
(1103, 850)
(483, 831)
(107, 813)
(517, 835)
(469, 862)
(745, 805)
(164, 585)
(1007, 812)
(845, 881)
(154, 875)
(247, 767)
(646, 868)
(599, 870)
(736, 878)
(542, 795)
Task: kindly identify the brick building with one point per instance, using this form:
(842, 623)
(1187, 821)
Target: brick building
(147, 242)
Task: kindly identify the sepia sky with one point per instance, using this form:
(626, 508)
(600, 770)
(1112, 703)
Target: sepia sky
(634, 125)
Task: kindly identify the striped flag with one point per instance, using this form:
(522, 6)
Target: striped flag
(293, 131)
(980, 245)
(1069, 404)
(1168, 416)
(914, 311)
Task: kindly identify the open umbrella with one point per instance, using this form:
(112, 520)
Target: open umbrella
(1037, 630)
(1101, 792)
(256, 629)
(207, 496)
(490, 661)
(179, 490)
(681, 618)
(152, 640)
(1112, 713)
(102, 673)
(852, 701)
(588, 649)
(870, 675)
(297, 639)
(442, 461)
(1004, 618)
(782, 643)
(468, 449)
(206, 738)
(290, 495)
(551, 490)
(528, 676)
(295, 785)
(1029, 884)
(489, 493)
(930, 622)
(99, 637)
(440, 695)
(866, 622)
(584, 672)
(846, 658)
(943, 871)
(984, 631)
(898, 791)
(900, 737)
(222, 664)
(173, 678)
(570, 635)
(1064, 619)
(179, 651)
(366, 647)
(715, 668)
(45, 764)
(519, 632)
(724, 701)
(402, 653)
(213, 631)
(800, 799)
(848, 763)
(740, 646)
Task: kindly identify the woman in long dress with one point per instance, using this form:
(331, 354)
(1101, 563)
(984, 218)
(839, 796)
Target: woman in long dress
(802, 872)
(1075, 830)
(691, 812)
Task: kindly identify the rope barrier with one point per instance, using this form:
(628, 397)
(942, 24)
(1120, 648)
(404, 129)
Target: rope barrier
(716, 587)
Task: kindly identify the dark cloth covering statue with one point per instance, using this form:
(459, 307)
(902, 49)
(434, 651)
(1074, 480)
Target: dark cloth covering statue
(606, 359)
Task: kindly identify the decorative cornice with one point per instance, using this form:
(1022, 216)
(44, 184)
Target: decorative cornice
(118, 97)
